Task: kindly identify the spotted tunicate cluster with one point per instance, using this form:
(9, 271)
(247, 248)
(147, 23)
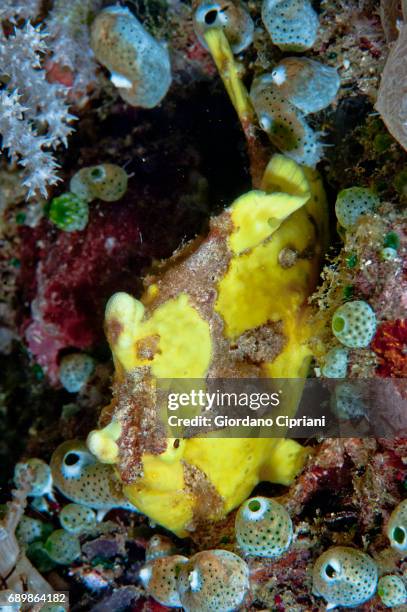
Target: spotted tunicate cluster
(336, 363)
(306, 83)
(292, 24)
(75, 370)
(159, 546)
(107, 182)
(213, 581)
(63, 547)
(354, 324)
(354, 202)
(139, 64)
(392, 591)
(231, 17)
(397, 527)
(284, 123)
(41, 482)
(159, 578)
(344, 577)
(69, 212)
(263, 528)
(76, 518)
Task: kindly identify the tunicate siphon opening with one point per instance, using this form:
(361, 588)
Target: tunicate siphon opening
(97, 173)
(330, 571)
(71, 459)
(254, 505)
(338, 324)
(211, 17)
(399, 535)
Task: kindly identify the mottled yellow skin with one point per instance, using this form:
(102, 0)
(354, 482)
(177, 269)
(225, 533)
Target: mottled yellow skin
(263, 223)
(178, 357)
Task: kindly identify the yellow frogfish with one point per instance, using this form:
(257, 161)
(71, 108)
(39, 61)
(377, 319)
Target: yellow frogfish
(232, 304)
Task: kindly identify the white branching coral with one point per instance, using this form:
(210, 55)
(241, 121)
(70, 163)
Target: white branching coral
(34, 112)
(34, 115)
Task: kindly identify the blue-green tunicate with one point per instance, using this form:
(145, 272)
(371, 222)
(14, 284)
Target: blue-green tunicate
(354, 324)
(336, 363)
(31, 530)
(63, 547)
(397, 527)
(75, 370)
(354, 202)
(284, 123)
(345, 577)
(388, 254)
(263, 528)
(41, 481)
(106, 182)
(292, 24)
(309, 85)
(139, 64)
(392, 591)
(76, 518)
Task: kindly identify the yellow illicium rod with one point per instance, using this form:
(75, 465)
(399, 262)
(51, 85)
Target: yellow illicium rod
(229, 71)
